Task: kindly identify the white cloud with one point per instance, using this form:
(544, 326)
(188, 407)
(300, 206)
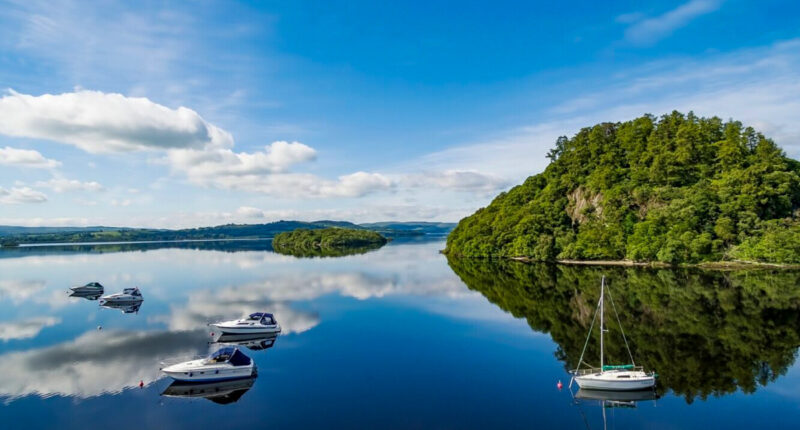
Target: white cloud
(100, 122)
(20, 195)
(61, 185)
(26, 158)
(25, 329)
(199, 165)
(651, 30)
(461, 180)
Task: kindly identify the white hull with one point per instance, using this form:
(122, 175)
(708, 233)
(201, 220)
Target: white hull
(197, 371)
(87, 290)
(610, 381)
(223, 328)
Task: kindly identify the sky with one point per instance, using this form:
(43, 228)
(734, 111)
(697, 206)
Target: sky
(197, 113)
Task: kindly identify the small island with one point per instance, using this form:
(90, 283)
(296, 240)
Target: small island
(674, 190)
(327, 242)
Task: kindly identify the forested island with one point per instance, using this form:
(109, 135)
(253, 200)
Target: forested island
(675, 189)
(333, 241)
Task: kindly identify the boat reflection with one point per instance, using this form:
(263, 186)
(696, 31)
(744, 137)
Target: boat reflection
(221, 392)
(85, 295)
(254, 342)
(616, 398)
(126, 308)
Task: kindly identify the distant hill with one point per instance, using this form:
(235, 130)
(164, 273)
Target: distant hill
(12, 235)
(674, 189)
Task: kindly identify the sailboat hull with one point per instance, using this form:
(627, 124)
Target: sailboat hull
(616, 381)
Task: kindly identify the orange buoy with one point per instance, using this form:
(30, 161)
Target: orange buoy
(559, 385)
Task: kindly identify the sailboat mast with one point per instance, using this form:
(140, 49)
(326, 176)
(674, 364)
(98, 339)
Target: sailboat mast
(602, 305)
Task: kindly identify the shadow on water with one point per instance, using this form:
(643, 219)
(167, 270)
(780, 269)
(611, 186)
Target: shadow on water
(704, 332)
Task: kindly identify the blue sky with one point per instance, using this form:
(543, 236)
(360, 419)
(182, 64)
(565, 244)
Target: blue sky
(201, 113)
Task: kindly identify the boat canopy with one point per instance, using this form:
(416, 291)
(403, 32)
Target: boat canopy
(263, 316)
(132, 291)
(93, 284)
(618, 367)
(231, 355)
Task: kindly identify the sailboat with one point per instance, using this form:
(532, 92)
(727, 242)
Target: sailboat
(614, 377)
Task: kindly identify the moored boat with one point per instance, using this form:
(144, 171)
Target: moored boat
(226, 363)
(258, 322)
(624, 377)
(92, 288)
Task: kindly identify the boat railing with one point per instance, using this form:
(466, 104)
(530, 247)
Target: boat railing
(591, 370)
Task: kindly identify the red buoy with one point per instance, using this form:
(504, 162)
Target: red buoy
(141, 384)
(559, 385)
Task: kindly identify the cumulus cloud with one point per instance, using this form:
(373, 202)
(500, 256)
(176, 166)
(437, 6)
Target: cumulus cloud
(651, 30)
(96, 363)
(460, 180)
(25, 329)
(298, 185)
(21, 195)
(25, 158)
(100, 122)
(61, 185)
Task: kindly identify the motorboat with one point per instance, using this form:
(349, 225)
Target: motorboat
(221, 392)
(259, 322)
(128, 295)
(620, 377)
(254, 342)
(226, 363)
(126, 308)
(92, 288)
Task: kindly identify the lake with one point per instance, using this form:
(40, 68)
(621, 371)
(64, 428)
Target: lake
(398, 337)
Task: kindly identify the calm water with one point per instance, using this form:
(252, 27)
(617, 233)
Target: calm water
(397, 338)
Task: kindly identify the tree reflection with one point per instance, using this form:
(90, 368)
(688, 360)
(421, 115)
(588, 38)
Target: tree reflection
(704, 332)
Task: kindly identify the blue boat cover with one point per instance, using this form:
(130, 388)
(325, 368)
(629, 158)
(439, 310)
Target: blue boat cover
(232, 355)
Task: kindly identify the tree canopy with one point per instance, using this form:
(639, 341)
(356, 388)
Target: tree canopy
(675, 189)
(327, 242)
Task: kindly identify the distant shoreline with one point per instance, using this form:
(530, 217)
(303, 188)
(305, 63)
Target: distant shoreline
(134, 242)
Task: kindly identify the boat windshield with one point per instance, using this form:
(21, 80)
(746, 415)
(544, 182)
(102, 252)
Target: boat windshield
(267, 320)
(132, 291)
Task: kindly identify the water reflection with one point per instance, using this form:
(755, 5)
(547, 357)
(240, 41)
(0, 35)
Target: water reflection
(88, 295)
(95, 363)
(221, 392)
(326, 252)
(250, 341)
(126, 308)
(704, 332)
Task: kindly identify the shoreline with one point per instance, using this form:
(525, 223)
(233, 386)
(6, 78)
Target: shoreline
(711, 265)
(130, 242)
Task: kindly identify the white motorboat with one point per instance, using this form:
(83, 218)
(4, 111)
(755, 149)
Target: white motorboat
(625, 377)
(259, 322)
(90, 289)
(226, 363)
(128, 295)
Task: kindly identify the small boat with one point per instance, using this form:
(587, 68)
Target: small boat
(254, 342)
(621, 377)
(92, 288)
(226, 363)
(128, 295)
(221, 392)
(259, 322)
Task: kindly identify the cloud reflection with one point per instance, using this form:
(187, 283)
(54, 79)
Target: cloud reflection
(95, 363)
(25, 329)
